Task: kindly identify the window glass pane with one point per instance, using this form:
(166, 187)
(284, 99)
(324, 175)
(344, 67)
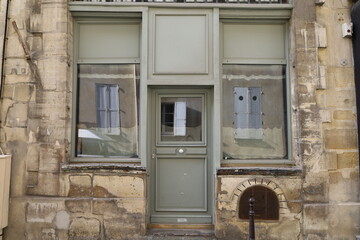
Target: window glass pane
(107, 121)
(254, 112)
(181, 119)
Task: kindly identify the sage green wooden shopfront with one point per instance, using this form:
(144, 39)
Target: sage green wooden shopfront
(183, 90)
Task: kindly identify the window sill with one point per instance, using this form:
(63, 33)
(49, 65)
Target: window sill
(102, 166)
(265, 171)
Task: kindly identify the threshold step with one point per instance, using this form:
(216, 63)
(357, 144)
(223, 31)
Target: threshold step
(181, 234)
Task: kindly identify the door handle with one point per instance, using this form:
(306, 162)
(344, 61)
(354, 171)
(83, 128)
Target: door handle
(153, 156)
(180, 151)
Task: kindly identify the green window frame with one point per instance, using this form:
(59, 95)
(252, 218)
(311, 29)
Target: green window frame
(106, 57)
(254, 76)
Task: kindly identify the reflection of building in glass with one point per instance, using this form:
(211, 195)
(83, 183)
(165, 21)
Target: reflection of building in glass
(108, 102)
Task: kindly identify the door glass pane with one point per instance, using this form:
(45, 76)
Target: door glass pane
(181, 119)
(107, 120)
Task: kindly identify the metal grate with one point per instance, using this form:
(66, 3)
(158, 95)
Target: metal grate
(194, 1)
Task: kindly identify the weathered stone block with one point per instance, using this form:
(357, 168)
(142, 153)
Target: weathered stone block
(120, 207)
(347, 160)
(5, 105)
(14, 48)
(55, 71)
(80, 186)
(32, 157)
(344, 115)
(49, 159)
(285, 230)
(343, 185)
(48, 185)
(340, 98)
(55, 44)
(295, 206)
(341, 77)
(52, 14)
(17, 217)
(62, 220)
(118, 186)
(49, 234)
(18, 151)
(340, 139)
(309, 117)
(35, 23)
(331, 160)
(309, 147)
(304, 56)
(344, 221)
(41, 212)
(117, 229)
(315, 218)
(16, 71)
(78, 206)
(315, 188)
(15, 134)
(325, 116)
(84, 229)
(321, 36)
(8, 91)
(17, 115)
(23, 92)
(306, 37)
(316, 236)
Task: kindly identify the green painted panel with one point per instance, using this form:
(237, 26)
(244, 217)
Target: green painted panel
(181, 150)
(182, 219)
(253, 41)
(175, 51)
(109, 40)
(181, 184)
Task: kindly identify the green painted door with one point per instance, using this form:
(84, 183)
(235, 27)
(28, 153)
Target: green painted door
(180, 179)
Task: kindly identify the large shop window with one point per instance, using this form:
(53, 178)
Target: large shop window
(107, 90)
(107, 111)
(254, 91)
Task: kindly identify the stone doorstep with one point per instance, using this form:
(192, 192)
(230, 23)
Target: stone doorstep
(183, 234)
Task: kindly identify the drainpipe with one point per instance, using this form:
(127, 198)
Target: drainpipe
(2, 73)
(355, 18)
(3, 221)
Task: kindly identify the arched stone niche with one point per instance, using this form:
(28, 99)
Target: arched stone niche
(260, 183)
(266, 203)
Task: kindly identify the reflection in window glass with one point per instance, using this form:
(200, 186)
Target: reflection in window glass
(254, 112)
(107, 121)
(181, 119)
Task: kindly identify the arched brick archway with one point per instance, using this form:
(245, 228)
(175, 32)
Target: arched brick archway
(355, 18)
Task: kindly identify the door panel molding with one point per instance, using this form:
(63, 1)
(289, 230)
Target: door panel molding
(180, 191)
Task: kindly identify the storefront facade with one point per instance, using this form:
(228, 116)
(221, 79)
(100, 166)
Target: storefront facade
(131, 119)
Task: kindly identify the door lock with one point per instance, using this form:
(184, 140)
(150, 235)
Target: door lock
(153, 156)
